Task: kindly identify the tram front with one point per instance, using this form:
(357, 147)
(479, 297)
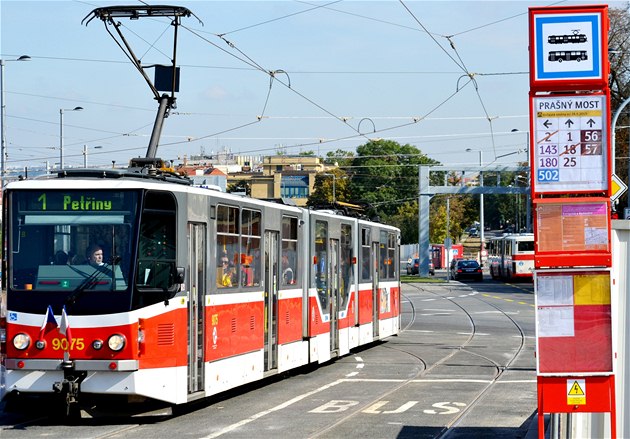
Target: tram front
(71, 323)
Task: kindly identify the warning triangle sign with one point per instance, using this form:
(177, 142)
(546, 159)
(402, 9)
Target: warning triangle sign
(576, 389)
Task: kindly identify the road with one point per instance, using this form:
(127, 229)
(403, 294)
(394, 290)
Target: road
(463, 367)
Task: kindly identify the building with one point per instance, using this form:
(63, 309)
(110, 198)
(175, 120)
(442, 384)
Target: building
(202, 175)
(287, 177)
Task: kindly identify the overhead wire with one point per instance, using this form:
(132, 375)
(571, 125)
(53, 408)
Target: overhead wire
(255, 65)
(460, 62)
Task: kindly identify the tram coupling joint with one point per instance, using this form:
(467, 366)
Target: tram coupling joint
(70, 386)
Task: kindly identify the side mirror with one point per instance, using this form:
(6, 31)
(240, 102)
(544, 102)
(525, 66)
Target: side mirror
(180, 275)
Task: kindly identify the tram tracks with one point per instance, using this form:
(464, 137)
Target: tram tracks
(425, 369)
(500, 369)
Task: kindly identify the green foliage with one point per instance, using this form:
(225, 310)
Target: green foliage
(406, 219)
(333, 181)
(340, 158)
(385, 174)
(456, 217)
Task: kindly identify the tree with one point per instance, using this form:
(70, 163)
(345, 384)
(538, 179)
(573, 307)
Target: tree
(339, 158)
(406, 217)
(619, 83)
(619, 55)
(456, 217)
(325, 183)
(385, 174)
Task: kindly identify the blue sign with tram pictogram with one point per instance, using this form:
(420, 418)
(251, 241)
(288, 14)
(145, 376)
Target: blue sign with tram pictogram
(567, 46)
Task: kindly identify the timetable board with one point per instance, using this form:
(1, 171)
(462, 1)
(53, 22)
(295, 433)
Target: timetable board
(573, 321)
(570, 151)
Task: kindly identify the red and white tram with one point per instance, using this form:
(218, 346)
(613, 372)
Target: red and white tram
(511, 256)
(200, 292)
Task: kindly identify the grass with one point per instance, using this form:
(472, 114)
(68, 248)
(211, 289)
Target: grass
(423, 280)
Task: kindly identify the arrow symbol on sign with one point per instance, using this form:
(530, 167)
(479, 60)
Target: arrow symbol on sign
(590, 123)
(547, 123)
(569, 122)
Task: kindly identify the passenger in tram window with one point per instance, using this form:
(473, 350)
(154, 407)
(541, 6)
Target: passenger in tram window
(247, 272)
(225, 272)
(60, 258)
(365, 269)
(94, 255)
(288, 277)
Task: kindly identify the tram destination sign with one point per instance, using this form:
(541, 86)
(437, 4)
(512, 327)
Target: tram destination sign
(570, 150)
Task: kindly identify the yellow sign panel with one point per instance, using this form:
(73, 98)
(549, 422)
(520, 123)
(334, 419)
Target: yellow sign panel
(591, 289)
(617, 187)
(576, 392)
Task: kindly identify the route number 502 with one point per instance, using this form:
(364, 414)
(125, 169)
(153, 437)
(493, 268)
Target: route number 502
(546, 175)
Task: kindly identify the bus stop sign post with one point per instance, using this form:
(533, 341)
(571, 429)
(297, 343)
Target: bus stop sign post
(571, 160)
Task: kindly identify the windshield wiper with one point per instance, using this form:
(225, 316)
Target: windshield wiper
(90, 281)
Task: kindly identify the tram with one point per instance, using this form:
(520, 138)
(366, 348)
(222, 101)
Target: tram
(199, 291)
(511, 256)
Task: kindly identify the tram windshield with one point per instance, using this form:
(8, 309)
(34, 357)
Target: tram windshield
(66, 244)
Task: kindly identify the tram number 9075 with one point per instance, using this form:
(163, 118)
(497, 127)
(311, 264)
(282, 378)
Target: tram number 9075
(546, 175)
(65, 345)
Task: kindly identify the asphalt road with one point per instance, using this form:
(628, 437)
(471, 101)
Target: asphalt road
(463, 367)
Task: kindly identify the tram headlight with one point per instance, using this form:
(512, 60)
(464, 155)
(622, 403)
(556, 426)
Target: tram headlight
(21, 341)
(116, 342)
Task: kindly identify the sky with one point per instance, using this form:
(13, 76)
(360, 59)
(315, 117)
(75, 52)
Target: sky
(443, 76)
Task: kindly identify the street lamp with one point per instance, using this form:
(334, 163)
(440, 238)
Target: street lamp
(333, 191)
(482, 245)
(3, 116)
(61, 110)
(85, 154)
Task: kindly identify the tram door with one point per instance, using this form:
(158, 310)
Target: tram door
(197, 275)
(375, 281)
(335, 292)
(271, 300)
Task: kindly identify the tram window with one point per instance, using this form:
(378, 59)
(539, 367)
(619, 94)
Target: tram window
(347, 270)
(366, 254)
(391, 256)
(321, 264)
(228, 258)
(508, 248)
(525, 246)
(289, 274)
(156, 248)
(382, 262)
(249, 259)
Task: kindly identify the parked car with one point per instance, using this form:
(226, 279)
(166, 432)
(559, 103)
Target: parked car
(413, 267)
(466, 269)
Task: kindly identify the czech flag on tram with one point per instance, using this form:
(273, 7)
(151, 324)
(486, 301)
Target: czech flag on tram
(64, 326)
(48, 324)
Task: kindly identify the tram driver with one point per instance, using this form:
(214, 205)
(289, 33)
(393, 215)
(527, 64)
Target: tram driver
(94, 255)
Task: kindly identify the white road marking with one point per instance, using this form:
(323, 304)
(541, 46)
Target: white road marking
(259, 415)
